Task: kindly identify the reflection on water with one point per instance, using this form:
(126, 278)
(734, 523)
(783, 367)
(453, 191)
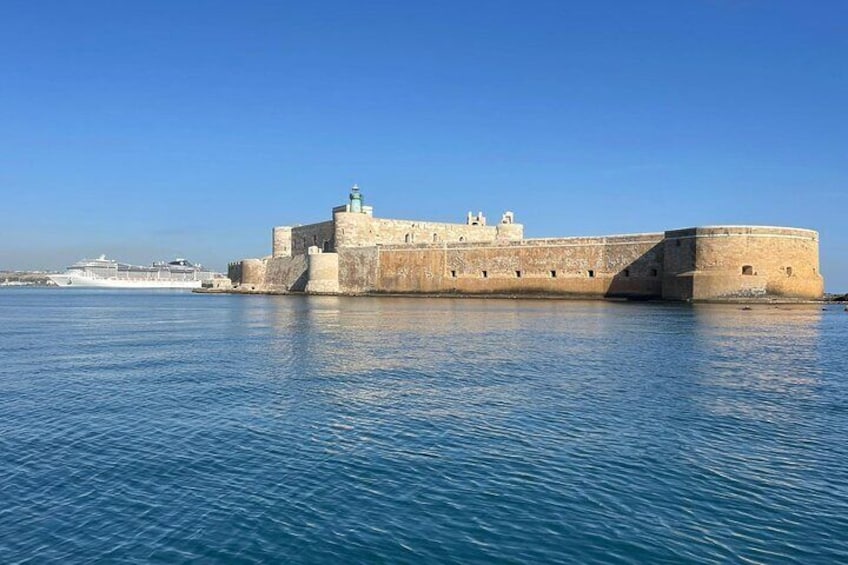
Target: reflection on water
(772, 353)
(175, 427)
(760, 373)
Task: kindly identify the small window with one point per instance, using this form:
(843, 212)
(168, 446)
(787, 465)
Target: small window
(747, 270)
(591, 274)
(553, 274)
(407, 238)
(461, 239)
(314, 240)
(485, 274)
(626, 272)
(788, 271)
(677, 243)
(653, 272)
(326, 246)
(453, 274)
(518, 274)
(435, 238)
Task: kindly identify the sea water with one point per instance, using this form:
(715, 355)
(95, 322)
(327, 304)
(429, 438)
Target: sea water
(172, 427)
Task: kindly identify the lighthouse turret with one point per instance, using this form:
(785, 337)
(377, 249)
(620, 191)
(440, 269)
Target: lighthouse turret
(355, 199)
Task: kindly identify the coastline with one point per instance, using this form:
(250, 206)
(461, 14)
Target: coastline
(828, 299)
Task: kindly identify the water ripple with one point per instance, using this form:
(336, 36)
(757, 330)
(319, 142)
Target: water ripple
(139, 427)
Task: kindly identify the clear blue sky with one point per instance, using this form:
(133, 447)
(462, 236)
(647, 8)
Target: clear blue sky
(149, 129)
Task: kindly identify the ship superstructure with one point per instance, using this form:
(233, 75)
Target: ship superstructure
(108, 273)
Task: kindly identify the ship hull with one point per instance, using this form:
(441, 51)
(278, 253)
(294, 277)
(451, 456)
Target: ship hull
(78, 281)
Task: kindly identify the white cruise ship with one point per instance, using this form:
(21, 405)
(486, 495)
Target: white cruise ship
(108, 273)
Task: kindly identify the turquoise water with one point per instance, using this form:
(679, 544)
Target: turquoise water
(171, 427)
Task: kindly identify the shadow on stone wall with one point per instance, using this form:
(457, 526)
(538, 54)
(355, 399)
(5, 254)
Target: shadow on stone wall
(641, 279)
(299, 284)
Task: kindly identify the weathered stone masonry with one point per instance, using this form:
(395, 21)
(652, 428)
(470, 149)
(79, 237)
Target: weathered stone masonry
(356, 253)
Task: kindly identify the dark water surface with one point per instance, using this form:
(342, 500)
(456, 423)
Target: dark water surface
(172, 427)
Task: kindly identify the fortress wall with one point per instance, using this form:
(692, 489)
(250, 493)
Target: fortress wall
(514, 232)
(358, 267)
(412, 270)
(611, 266)
(286, 273)
(713, 263)
(304, 237)
(365, 254)
(234, 271)
(247, 272)
(729, 262)
(390, 232)
(281, 241)
(679, 264)
(354, 230)
(322, 273)
(272, 273)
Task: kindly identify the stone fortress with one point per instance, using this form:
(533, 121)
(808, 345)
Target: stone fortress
(356, 253)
